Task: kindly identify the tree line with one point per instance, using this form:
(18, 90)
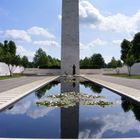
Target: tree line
(8, 55)
(96, 61)
(130, 54)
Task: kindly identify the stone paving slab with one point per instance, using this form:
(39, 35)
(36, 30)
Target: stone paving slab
(8, 84)
(124, 90)
(9, 97)
(133, 83)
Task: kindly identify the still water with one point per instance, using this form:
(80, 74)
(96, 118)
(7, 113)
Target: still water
(71, 108)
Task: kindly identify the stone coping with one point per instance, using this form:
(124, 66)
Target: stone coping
(70, 139)
(9, 97)
(120, 89)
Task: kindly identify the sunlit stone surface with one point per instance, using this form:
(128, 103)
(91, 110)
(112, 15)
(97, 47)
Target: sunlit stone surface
(70, 37)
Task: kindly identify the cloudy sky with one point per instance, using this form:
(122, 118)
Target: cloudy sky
(36, 23)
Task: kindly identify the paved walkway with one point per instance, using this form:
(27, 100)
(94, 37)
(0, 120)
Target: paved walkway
(10, 96)
(16, 82)
(133, 83)
(122, 87)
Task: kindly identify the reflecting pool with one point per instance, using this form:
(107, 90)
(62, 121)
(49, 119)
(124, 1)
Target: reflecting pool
(71, 108)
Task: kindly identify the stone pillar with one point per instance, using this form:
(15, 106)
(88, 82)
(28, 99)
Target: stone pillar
(70, 37)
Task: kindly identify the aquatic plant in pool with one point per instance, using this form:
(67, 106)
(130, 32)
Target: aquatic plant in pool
(70, 99)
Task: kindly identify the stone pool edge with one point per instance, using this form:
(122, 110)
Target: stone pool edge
(70, 139)
(131, 93)
(11, 96)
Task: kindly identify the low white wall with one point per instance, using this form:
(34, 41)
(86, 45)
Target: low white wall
(35, 71)
(4, 70)
(136, 69)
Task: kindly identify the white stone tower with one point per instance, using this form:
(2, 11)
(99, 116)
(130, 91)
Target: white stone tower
(70, 37)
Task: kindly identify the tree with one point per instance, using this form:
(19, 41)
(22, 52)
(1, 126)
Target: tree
(85, 63)
(24, 61)
(40, 58)
(1, 51)
(97, 61)
(112, 63)
(125, 47)
(127, 54)
(136, 47)
(119, 63)
(8, 50)
(129, 62)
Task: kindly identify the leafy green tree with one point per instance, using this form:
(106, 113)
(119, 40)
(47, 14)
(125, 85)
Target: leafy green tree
(127, 54)
(85, 63)
(97, 61)
(129, 62)
(136, 47)
(119, 63)
(9, 56)
(125, 47)
(40, 58)
(1, 51)
(113, 63)
(24, 61)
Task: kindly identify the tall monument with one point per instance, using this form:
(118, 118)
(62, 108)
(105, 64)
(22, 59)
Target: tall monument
(70, 37)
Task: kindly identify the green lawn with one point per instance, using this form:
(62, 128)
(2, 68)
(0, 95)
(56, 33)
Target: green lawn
(125, 76)
(10, 77)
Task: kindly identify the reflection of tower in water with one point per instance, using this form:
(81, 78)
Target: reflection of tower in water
(69, 116)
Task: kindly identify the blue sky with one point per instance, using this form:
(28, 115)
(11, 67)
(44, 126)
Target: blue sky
(34, 24)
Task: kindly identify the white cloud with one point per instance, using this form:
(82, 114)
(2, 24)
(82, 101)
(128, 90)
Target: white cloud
(49, 43)
(19, 35)
(39, 112)
(115, 122)
(40, 31)
(27, 108)
(91, 17)
(25, 35)
(117, 42)
(18, 110)
(94, 43)
(99, 42)
(22, 51)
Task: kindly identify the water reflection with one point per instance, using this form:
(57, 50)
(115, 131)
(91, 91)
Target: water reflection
(41, 92)
(118, 125)
(94, 87)
(70, 116)
(128, 105)
(27, 108)
(77, 121)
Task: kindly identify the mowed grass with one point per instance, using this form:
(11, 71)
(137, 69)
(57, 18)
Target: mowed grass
(10, 77)
(125, 76)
